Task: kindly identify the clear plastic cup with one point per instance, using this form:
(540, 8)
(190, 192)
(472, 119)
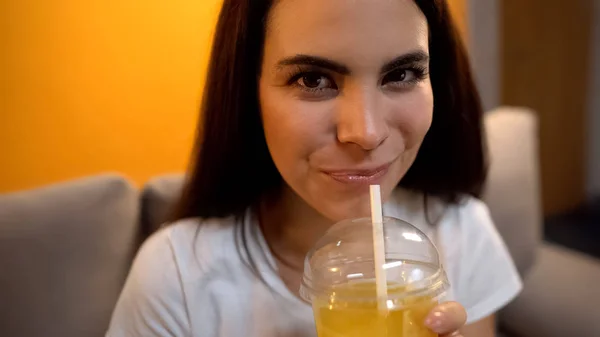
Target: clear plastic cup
(339, 281)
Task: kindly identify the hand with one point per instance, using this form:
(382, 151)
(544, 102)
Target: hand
(447, 319)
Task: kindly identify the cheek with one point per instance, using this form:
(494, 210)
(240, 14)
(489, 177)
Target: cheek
(414, 116)
(293, 129)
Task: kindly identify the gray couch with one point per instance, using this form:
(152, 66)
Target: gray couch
(65, 249)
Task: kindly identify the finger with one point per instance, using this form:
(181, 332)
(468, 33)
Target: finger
(446, 318)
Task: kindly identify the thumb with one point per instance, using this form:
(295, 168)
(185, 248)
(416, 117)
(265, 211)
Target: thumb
(447, 319)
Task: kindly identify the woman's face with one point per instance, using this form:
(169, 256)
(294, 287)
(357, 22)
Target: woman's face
(345, 98)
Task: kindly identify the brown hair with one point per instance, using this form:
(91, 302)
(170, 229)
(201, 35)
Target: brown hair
(232, 167)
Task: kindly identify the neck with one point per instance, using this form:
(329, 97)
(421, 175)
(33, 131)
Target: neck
(290, 226)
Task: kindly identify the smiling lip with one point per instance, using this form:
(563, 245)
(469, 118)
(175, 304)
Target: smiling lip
(366, 176)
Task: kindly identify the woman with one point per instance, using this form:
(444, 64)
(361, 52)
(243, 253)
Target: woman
(307, 103)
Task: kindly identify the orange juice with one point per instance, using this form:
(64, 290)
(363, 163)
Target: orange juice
(339, 280)
(342, 314)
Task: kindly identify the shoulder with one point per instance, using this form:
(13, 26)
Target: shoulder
(481, 271)
(186, 243)
(469, 217)
(429, 213)
(483, 275)
(153, 300)
(467, 227)
(200, 243)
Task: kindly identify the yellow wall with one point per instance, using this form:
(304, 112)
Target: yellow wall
(89, 86)
(460, 13)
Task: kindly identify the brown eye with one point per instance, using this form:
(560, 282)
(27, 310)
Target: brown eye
(404, 78)
(400, 75)
(314, 81)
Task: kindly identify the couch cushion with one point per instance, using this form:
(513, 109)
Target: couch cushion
(158, 198)
(560, 297)
(64, 254)
(513, 188)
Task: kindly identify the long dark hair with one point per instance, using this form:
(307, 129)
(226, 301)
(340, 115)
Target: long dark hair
(232, 168)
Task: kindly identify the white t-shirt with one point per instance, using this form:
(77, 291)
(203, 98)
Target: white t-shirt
(189, 279)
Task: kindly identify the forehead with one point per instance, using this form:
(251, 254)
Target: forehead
(354, 30)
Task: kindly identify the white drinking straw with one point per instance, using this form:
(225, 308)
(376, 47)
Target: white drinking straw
(378, 247)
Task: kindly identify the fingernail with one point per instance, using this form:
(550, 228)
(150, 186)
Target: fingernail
(433, 323)
(435, 320)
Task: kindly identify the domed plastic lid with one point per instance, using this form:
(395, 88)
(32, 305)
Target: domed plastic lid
(345, 256)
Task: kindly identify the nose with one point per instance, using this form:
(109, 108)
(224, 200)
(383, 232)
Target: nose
(361, 119)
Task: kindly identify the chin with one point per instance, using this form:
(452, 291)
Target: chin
(349, 210)
(338, 208)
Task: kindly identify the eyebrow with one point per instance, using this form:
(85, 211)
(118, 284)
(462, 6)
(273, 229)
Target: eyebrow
(321, 62)
(315, 61)
(404, 60)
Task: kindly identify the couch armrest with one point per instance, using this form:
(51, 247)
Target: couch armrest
(561, 297)
(65, 250)
(512, 191)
